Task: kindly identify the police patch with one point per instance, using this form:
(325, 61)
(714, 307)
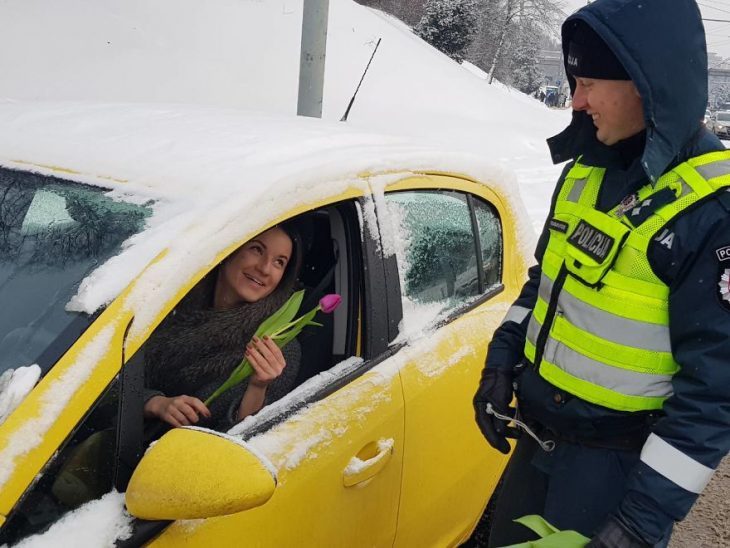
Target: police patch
(723, 254)
(591, 241)
(724, 285)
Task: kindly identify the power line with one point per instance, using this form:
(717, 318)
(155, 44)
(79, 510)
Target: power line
(718, 20)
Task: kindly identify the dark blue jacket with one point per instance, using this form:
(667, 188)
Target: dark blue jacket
(663, 50)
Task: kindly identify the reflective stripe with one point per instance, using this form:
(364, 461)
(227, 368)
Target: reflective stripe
(577, 190)
(623, 381)
(714, 169)
(516, 314)
(674, 465)
(533, 330)
(545, 289)
(610, 327)
(613, 328)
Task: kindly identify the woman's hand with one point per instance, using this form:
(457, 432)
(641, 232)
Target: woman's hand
(177, 411)
(268, 363)
(266, 359)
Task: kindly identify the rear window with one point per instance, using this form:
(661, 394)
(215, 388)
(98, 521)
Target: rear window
(53, 233)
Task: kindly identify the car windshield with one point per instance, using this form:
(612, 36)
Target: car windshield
(723, 116)
(53, 233)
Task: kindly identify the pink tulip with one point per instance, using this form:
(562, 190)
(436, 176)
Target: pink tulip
(328, 303)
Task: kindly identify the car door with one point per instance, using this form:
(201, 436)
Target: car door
(336, 441)
(456, 276)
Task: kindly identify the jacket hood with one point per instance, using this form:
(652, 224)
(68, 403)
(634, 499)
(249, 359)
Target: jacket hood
(662, 47)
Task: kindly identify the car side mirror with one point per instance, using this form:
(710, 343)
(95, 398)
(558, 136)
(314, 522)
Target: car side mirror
(192, 473)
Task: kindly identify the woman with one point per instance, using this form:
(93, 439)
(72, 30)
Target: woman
(202, 341)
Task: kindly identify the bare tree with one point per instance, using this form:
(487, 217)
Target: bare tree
(542, 15)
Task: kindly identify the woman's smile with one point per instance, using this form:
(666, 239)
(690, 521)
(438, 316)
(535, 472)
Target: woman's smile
(253, 280)
(254, 270)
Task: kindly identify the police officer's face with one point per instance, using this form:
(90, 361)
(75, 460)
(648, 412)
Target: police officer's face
(614, 105)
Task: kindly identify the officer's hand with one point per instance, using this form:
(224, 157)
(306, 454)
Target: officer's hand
(614, 534)
(495, 388)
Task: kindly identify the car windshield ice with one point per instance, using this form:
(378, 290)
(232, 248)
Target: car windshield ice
(53, 233)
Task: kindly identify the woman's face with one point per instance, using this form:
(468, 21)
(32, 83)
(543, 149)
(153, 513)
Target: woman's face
(256, 268)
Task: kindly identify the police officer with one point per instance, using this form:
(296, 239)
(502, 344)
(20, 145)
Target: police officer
(618, 347)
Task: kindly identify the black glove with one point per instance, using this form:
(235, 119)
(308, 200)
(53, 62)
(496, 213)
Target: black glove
(615, 534)
(495, 388)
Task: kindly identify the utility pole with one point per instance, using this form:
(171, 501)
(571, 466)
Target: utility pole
(311, 61)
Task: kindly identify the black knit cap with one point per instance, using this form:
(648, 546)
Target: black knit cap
(590, 57)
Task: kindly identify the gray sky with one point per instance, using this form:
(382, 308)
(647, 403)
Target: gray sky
(718, 34)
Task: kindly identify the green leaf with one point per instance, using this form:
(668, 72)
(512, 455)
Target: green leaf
(289, 337)
(551, 536)
(283, 316)
(538, 524)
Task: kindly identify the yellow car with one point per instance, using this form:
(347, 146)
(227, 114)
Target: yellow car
(110, 214)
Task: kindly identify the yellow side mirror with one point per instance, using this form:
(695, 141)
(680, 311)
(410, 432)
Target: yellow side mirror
(194, 474)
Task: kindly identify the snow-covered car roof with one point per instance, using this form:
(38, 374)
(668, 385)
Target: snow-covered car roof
(205, 165)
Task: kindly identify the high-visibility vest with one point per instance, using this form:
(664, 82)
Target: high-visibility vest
(600, 327)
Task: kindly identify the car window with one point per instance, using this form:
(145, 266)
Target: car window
(723, 116)
(82, 471)
(437, 253)
(490, 242)
(53, 233)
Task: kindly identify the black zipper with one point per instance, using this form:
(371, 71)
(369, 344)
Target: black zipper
(549, 315)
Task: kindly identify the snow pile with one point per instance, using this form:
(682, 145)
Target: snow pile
(97, 524)
(15, 385)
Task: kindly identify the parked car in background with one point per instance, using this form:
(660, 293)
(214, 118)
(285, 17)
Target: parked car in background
(709, 121)
(721, 125)
(113, 214)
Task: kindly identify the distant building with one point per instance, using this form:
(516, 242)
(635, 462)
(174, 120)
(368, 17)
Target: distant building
(718, 76)
(550, 62)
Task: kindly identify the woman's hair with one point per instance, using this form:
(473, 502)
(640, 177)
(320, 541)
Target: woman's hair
(289, 278)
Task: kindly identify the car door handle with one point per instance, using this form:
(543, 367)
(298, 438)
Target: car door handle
(360, 469)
